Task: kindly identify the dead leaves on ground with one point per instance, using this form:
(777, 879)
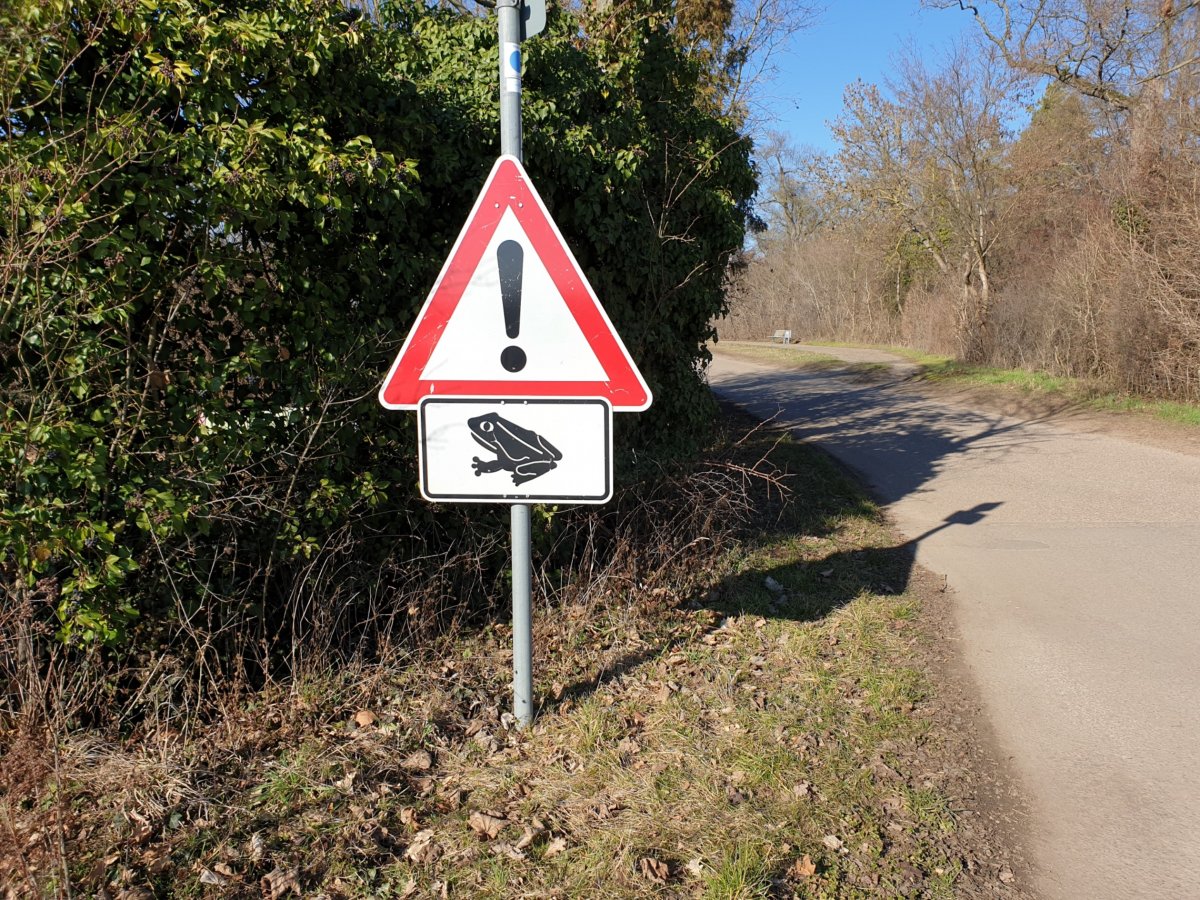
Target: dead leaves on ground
(487, 825)
(280, 883)
(802, 868)
(653, 869)
(424, 850)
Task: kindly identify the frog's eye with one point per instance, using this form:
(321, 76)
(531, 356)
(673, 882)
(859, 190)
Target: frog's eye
(487, 426)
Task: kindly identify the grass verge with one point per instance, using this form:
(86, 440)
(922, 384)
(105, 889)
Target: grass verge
(1076, 391)
(782, 356)
(920, 357)
(770, 730)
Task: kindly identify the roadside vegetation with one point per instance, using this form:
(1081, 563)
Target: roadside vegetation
(217, 223)
(747, 711)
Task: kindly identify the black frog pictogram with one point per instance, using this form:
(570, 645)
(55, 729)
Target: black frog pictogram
(518, 450)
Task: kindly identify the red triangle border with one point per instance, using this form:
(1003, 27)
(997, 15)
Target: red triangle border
(509, 187)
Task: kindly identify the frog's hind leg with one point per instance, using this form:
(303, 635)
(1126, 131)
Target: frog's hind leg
(523, 474)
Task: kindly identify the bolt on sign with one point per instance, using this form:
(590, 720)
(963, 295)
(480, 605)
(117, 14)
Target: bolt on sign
(512, 364)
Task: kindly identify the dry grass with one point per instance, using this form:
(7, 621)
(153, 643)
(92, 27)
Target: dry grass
(735, 717)
(779, 355)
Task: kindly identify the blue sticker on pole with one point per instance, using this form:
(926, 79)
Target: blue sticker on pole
(510, 67)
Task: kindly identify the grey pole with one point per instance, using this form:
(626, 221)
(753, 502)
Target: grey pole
(522, 617)
(508, 12)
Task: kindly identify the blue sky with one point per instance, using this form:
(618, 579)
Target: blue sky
(852, 39)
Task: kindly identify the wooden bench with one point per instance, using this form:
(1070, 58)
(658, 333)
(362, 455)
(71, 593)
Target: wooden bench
(783, 335)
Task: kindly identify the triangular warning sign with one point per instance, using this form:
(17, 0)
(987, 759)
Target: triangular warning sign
(512, 315)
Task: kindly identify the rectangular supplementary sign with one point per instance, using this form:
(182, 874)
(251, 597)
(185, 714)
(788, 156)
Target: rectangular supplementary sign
(519, 450)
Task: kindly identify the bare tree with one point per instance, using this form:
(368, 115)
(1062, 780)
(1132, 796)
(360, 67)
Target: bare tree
(1113, 50)
(933, 158)
(794, 202)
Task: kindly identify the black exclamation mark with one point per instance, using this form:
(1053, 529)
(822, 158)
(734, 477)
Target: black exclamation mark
(510, 259)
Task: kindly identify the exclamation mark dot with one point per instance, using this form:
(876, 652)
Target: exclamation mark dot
(510, 259)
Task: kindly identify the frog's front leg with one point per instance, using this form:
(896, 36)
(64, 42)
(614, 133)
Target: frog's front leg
(527, 471)
(481, 465)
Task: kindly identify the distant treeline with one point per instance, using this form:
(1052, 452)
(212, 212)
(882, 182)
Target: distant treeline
(1069, 244)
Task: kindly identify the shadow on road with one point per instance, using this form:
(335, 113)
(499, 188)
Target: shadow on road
(812, 590)
(877, 427)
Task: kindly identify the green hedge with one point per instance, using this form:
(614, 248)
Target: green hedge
(218, 220)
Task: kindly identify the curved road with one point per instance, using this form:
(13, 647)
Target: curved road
(1075, 558)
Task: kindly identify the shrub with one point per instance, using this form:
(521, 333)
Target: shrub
(219, 220)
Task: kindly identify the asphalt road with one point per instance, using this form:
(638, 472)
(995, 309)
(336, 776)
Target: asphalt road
(1075, 559)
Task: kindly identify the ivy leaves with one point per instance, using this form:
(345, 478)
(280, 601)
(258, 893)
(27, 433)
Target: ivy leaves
(218, 220)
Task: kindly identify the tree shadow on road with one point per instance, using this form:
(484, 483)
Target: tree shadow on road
(812, 589)
(879, 427)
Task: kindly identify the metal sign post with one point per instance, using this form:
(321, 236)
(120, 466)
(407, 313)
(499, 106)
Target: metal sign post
(512, 364)
(508, 12)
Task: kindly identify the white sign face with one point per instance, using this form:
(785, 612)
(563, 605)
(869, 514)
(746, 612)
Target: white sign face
(534, 450)
(554, 347)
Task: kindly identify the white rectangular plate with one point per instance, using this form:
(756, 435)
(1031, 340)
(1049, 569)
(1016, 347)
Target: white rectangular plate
(537, 450)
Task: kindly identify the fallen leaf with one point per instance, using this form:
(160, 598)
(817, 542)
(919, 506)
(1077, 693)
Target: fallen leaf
(423, 850)
(420, 761)
(409, 889)
(555, 847)
(364, 718)
(695, 867)
(408, 818)
(557, 689)
(803, 867)
(1006, 875)
(654, 869)
(603, 811)
(501, 848)
(803, 789)
(279, 882)
(832, 842)
(530, 835)
(258, 847)
(486, 825)
(208, 876)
